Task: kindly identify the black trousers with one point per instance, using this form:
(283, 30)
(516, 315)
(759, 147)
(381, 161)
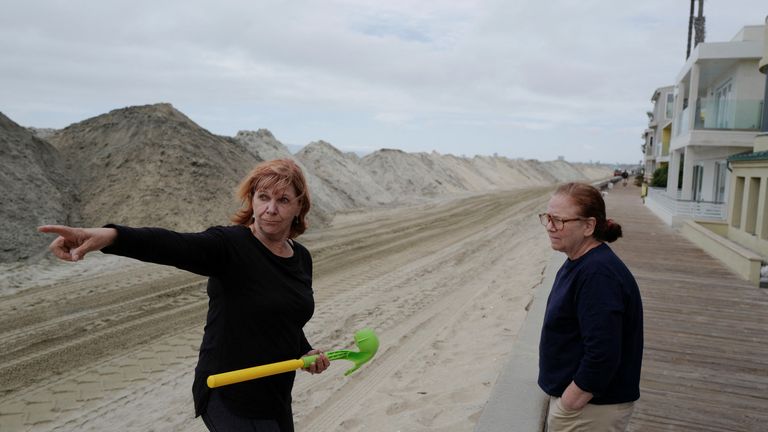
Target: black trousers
(218, 418)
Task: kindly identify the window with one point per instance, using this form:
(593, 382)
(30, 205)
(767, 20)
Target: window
(723, 106)
(670, 106)
(764, 228)
(752, 195)
(720, 182)
(698, 176)
(738, 201)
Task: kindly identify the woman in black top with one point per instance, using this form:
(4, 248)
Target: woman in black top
(259, 289)
(591, 347)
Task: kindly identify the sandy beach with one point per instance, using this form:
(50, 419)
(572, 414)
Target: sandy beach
(110, 344)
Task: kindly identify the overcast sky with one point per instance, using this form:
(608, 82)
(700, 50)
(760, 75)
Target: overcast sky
(530, 79)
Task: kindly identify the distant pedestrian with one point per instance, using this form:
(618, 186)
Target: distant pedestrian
(259, 289)
(624, 178)
(591, 345)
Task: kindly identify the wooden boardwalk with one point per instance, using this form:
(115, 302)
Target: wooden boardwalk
(705, 364)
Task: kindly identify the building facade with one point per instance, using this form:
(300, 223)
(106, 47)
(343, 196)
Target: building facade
(717, 113)
(658, 135)
(731, 115)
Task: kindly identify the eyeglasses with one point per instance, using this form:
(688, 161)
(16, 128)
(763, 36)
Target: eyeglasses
(557, 223)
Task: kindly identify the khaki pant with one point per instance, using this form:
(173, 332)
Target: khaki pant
(592, 418)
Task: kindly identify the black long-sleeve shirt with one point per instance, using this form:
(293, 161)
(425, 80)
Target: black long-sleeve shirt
(593, 330)
(258, 305)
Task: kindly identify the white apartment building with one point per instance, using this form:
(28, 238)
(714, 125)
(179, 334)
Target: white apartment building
(718, 103)
(659, 132)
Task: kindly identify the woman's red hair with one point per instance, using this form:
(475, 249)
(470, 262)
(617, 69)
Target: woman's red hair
(275, 174)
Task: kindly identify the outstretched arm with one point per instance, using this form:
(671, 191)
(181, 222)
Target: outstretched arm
(73, 243)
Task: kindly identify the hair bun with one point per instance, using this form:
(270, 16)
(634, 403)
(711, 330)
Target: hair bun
(612, 231)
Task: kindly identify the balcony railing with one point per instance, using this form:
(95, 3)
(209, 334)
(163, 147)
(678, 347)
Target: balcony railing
(722, 114)
(687, 208)
(734, 114)
(681, 125)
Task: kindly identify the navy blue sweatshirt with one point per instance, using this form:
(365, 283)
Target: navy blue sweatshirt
(258, 305)
(593, 330)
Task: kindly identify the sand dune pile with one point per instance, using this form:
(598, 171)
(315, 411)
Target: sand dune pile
(34, 188)
(433, 174)
(405, 174)
(152, 166)
(342, 173)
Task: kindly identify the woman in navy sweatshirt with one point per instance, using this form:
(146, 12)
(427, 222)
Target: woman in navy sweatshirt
(591, 344)
(259, 289)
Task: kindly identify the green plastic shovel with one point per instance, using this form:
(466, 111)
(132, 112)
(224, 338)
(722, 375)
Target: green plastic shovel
(366, 340)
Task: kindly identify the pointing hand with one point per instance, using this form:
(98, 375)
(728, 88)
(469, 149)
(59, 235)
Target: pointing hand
(73, 243)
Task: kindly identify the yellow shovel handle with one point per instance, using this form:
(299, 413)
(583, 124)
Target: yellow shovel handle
(241, 375)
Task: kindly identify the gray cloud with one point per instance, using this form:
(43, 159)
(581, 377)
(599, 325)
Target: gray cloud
(412, 75)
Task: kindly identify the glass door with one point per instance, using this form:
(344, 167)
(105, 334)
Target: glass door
(723, 106)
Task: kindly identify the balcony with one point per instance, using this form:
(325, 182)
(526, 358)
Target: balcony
(737, 114)
(719, 114)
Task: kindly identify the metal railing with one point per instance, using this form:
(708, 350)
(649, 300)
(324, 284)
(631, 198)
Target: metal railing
(687, 208)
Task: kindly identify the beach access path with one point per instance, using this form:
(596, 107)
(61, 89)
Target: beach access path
(705, 363)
